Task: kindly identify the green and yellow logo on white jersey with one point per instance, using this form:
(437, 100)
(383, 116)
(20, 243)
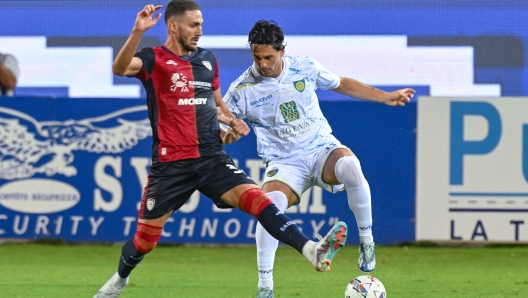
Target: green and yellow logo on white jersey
(299, 85)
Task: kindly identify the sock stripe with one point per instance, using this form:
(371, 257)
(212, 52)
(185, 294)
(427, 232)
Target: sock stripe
(149, 229)
(253, 201)
(147, 236)
(143, 246)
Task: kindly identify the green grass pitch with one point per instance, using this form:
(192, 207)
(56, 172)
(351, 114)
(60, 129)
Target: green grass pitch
(43, 270)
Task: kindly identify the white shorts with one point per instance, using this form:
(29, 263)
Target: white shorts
(302, 172)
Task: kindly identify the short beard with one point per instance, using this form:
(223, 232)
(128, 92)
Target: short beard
(188, 47)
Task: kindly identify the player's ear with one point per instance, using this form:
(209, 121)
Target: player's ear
(282, 50)
(172, 26)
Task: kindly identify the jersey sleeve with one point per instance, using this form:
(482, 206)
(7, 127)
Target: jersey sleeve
(233, 101)
(224, 127)
(10, 62)
(325, 79)
(147, 56)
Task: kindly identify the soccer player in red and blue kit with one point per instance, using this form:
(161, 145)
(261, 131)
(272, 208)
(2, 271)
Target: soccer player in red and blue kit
(184, 106)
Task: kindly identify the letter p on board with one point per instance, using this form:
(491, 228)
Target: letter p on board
(459, 146)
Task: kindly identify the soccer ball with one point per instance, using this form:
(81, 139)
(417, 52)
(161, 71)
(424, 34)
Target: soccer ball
(365, 286)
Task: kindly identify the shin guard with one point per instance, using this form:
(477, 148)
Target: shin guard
(146, 237)
(253, 201)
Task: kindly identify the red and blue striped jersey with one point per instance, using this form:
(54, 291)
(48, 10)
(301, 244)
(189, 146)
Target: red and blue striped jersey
(181, 107)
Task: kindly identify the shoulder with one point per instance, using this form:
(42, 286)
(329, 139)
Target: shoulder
(147, 52)
(7, 57)
(149, 49)
(10, 62)
(205, 53)
(303, 63)
(245, 80)
(299, 60)
(203, 50)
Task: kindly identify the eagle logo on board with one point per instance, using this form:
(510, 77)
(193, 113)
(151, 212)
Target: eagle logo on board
(29, 147)
(208, 65)
(299, 85)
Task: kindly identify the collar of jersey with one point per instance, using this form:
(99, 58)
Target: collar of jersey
(285, 65)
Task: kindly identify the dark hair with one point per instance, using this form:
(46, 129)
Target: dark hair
(267, 33)
(178, 7)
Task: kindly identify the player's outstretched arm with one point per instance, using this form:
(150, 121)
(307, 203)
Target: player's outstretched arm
(356, 89)
(125, 64)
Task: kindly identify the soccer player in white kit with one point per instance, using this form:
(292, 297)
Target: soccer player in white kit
(277, 96)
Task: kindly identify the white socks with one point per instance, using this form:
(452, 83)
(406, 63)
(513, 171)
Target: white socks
(267, 245)
(348, 171)
(308, 250)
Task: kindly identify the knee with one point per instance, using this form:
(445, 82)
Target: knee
(279, 199)
(146, 237)
(253, 201)
(348, 171)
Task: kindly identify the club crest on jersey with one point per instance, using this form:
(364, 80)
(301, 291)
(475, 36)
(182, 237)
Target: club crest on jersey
(150, 204)
(207, 64)
(179, 81)
(272, 173)
(299, 85)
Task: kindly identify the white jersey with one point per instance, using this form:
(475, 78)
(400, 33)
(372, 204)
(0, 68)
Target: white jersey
(284, 111)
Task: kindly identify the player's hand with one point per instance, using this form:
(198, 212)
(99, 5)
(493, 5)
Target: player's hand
(229, 137)
(239, 126)
(144, 20)
(400, 97)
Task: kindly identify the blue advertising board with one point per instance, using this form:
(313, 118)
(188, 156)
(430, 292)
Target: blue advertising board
(74, 158)
(75, 169)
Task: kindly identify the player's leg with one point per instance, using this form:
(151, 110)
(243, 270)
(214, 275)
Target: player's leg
(280, 181)
(251, 199)
(282, 196)
(238, 190)
(147, 235)
(343, 167)
(169, 186)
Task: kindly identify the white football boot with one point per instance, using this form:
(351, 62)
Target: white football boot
(264, 293)
(367, 257)
(113, 287)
